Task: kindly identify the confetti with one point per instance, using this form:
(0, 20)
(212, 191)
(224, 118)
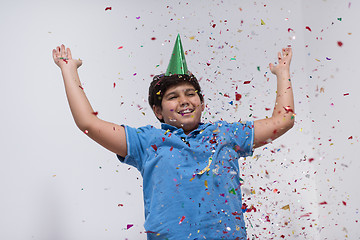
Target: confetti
(346, 94)
(129, 226)
(339, 43)
(262, 22)
(153, 38)
(308, 28)
(108, 8)
(290, 29)
(286, 207)
(138, 17)
(154, 147)
(323, 203)
(121, 47)
(182, 219)
(237, 96)
(206, 184)
(247, 82)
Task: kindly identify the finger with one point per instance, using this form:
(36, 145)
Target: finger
(279, 56)
(54, 54)
(62, 51)
(68, 53)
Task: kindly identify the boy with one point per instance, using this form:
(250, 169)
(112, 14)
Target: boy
(190, 169)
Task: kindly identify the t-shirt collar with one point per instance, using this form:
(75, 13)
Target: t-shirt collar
(176, 130)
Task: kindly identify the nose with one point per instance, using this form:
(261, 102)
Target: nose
(183, 100)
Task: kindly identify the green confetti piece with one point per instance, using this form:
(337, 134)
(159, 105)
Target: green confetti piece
(232, 58)
(340, 19)
(258, 68)
(232, 191)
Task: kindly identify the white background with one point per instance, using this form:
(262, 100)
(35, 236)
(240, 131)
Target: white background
(56, 184)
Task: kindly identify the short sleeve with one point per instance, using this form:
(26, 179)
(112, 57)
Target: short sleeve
(243, 136)
(137, 140)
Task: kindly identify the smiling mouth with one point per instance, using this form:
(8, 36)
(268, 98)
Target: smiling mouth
(185, 111)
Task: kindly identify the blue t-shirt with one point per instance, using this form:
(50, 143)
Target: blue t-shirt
(191, 182)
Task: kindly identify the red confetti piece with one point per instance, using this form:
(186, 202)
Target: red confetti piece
(114, 85)
(208, 64)
(308, 28)
(267, 109)
(344, 203)
(351, 137)
(154, 147)
(237, 96)
(346, 94)
(247, 82)
(66, 61)
(121, 47)
(171, 148)
(305, 215)
(120, 205)
(108, 8)
(95, 113)
(182, 219)
(153, 38)
(323, 203)
(81, 87)
(290, 29)
(311, 159)
(86, 131)
(129, 226)
(339, 43)
(214, 25)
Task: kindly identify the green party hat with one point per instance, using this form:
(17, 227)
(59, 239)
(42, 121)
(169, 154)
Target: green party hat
(177, 64)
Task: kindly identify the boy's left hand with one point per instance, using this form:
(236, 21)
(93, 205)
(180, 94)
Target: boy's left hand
(283, 67)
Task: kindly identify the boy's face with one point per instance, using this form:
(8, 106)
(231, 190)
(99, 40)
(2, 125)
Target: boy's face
(181, 107)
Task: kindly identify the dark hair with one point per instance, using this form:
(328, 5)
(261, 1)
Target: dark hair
(161, 83)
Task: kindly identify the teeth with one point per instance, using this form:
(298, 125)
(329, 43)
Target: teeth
(185, 111)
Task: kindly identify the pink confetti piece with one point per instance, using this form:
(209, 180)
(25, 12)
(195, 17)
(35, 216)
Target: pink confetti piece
(121, 47)
(182, 219)
(86, 131)
(308, 28)
(108, 8)
(138, 17)
(129, 226)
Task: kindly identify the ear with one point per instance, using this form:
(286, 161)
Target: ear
(202, 106)
(158, 112)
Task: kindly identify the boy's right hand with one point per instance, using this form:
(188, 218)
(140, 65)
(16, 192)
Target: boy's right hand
(62, 57)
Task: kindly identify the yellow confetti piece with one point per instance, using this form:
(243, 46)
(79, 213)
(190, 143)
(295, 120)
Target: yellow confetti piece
(192, 179)
(192, 37)
(262, 22)
(206, 184)
(159, 92)
(207, 168)
(286, 207)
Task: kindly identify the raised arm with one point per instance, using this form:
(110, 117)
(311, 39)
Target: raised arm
(109, 135)
(283, 116)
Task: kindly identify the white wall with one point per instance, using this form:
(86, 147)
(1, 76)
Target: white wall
(57, 184)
